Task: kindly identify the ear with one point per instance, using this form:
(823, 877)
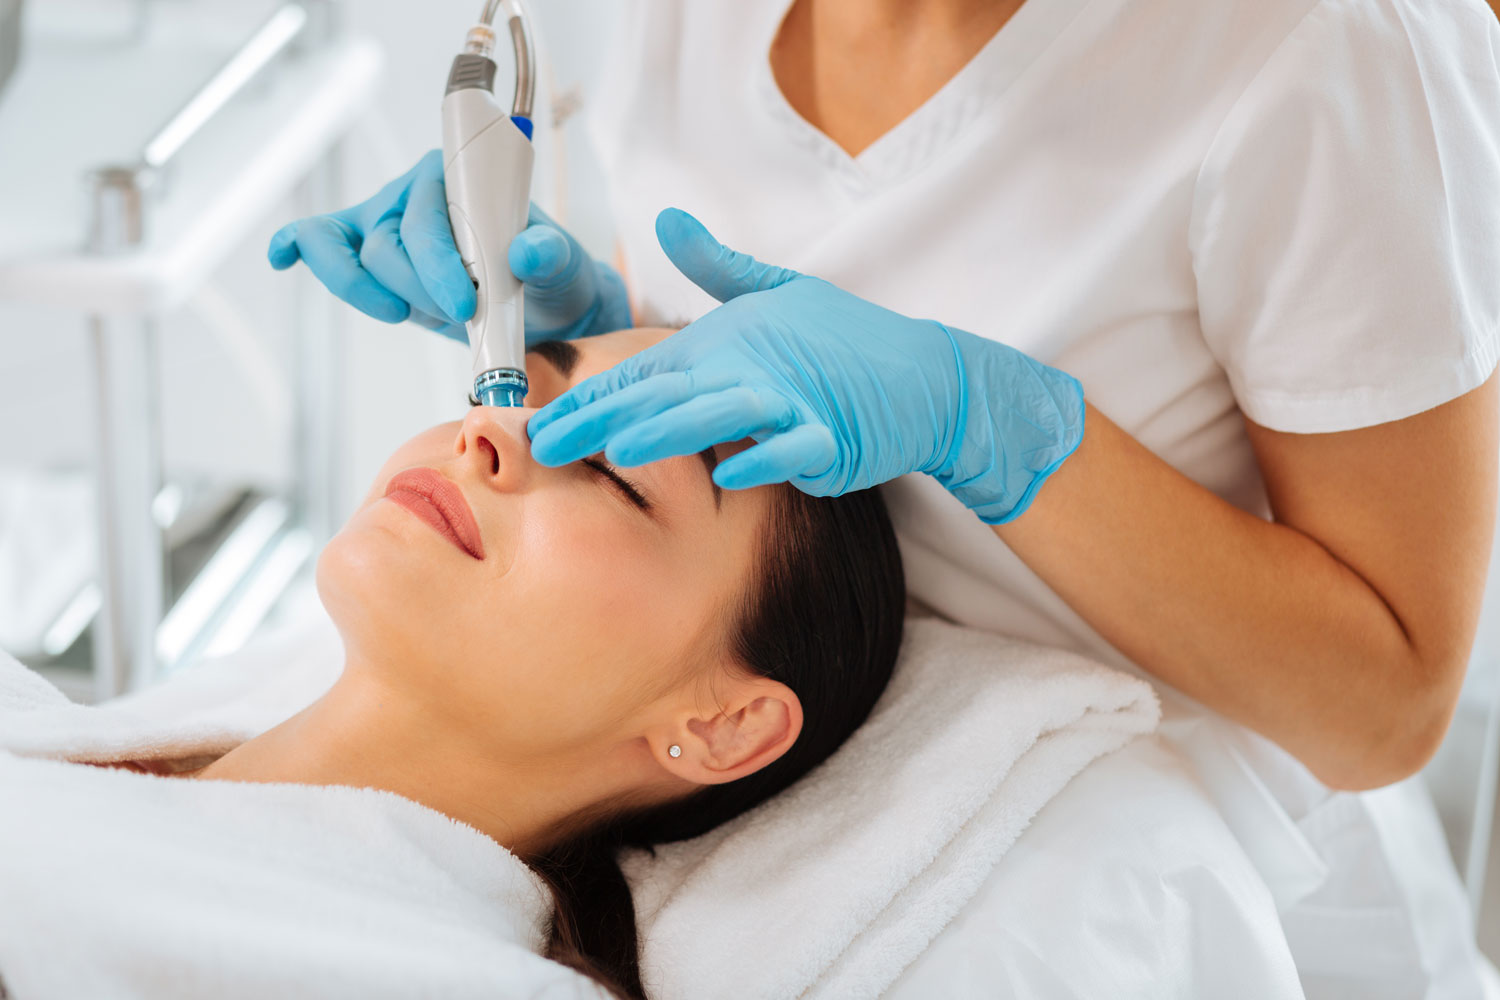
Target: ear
(751, 722)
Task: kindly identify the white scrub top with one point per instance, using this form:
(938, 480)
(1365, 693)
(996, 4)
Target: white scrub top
(1281, 209)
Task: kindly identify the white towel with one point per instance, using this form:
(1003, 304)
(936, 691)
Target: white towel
(834, 887)
(829, 890)
(118, 884)
(201, 712)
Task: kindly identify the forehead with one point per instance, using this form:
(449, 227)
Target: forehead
(586, 356)
(595, 354)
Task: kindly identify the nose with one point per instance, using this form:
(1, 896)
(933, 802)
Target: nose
(492, 440)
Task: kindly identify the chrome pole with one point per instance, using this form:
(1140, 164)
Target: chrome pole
(132, 565)
(321, 423)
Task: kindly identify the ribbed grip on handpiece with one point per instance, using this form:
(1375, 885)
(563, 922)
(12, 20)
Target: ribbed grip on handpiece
(471, 72)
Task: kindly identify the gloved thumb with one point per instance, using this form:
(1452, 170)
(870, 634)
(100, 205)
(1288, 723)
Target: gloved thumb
(721, 272)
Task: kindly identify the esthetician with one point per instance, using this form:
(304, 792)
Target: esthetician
(1185, 313)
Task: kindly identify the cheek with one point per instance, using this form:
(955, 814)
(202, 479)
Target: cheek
(585, 564)
(594, 618)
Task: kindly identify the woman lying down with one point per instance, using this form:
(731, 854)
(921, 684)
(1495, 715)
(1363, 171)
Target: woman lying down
(541, 665)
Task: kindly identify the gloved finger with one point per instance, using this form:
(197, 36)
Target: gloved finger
(590, 389)
(728, 415)
(428, 237)
(543, 257)
(590, 429)
(328, 247)
(384, 256)
(721, 272)
(283, 252)
(807, 450)
(437, 324)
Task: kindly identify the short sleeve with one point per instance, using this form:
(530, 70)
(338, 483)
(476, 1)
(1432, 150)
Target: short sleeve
(1345, 230)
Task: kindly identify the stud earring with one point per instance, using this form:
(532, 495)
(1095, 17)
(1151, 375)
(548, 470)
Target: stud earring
(674, 750)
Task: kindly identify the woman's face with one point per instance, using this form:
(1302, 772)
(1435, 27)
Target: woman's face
(591, 599)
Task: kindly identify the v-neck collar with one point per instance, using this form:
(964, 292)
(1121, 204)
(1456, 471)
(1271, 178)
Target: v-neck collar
(926, 132)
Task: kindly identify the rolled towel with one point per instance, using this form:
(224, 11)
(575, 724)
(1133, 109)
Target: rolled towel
(202, 712)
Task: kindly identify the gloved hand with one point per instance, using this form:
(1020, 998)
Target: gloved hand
(393, 258)
(839, 393)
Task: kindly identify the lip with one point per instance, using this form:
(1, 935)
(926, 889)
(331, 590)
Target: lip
(439, 502)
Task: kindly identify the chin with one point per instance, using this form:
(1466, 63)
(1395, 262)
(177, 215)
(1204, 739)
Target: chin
(376, 584)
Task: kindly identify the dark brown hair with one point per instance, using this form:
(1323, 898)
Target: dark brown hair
(824, 617)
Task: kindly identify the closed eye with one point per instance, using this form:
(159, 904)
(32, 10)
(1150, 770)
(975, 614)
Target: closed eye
(620, 483)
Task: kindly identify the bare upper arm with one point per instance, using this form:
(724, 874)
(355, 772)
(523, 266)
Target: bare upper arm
(1410, 507)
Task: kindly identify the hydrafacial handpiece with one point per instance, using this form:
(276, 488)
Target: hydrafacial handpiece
(487, 159)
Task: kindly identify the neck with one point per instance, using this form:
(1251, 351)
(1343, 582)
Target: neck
(861, 16)
(366, 734)
(856, 68)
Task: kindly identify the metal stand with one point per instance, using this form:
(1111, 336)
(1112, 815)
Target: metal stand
(321, 422)
(321, 426)
(132, 570)
(137, 638)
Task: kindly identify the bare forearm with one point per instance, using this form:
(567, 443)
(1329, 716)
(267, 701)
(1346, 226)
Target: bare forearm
(1255, 619)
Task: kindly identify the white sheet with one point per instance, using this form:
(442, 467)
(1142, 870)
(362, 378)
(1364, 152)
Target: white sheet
(1127, 885)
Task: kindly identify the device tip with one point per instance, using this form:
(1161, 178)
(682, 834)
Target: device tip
(501, 387)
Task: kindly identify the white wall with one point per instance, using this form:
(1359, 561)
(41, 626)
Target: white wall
(408, 378)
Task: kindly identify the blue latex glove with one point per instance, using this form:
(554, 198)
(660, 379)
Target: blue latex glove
(840, 393)
(393, 258)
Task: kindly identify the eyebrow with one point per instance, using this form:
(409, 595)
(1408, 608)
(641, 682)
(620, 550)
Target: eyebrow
(562, 355)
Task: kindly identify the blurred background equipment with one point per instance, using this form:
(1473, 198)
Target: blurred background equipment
(180, 441)
(10, 38)
(220, 121)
